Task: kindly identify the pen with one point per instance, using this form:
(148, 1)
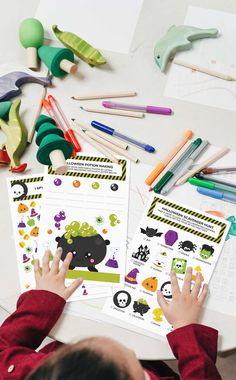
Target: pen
(162, 164)
(159, 186)
(184, 167)
(215, 180)
(211, 185)
(68, 133)
(113, 132)
(217, 194)
(133, 107)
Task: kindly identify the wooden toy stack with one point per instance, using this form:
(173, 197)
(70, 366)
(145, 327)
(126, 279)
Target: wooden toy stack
(53, 148)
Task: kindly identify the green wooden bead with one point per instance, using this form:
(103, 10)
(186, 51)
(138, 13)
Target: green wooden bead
(50, 143)
(31, 33)
(46, 129)
(52, 58)
(4, 109)
(43, 119)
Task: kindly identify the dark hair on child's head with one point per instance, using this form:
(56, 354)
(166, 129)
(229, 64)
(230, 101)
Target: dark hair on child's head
(69, 363)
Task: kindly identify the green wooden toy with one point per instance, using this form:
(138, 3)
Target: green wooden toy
(16, 134)
(59, 61)
(4, 109)
(80, 47)
(31, 36)
(53, 148)
(178, 38)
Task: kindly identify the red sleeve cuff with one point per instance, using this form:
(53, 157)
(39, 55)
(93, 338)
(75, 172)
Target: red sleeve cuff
(42, 296)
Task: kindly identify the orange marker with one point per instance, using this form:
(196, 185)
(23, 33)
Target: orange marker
(63, 122)
(161, 166)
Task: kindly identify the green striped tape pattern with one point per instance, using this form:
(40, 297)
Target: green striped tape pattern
(122, 177)
(189, 212)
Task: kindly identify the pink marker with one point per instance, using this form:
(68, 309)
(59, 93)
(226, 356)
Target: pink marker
(133, 107)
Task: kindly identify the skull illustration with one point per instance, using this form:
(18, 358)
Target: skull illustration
(122, 299)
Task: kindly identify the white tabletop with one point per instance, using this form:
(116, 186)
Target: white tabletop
(135, 71)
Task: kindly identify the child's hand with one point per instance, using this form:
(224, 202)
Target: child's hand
(53, 279)
(186, 305)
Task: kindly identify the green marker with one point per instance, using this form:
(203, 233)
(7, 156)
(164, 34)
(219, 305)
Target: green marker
(159, 186)
(211, 185)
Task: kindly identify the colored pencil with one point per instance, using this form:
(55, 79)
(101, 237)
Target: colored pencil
(97, 146)
(202, 69)
(111, 146)
(114, 112)
(221, 152)
(161, 165)
(104, 135)
(224, 170)
(105, 95)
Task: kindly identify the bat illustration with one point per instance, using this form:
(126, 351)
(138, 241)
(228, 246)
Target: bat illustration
(11, 82)
(178, 38)
(150, 232)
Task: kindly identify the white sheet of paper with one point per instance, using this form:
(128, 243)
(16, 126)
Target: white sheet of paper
(222, 285)
(25, 197)
(216, 54)
(104, 24)
(85, 211)
(170, 236)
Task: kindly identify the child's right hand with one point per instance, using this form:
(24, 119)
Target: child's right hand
(53, 279)
(186, 305)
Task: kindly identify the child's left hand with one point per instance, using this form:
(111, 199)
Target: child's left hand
(53, 279)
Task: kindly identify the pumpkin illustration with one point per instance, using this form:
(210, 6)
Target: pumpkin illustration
(150, 284)
(22, 208)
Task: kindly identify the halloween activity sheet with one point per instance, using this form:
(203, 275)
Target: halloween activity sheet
(25, 195)
(26, 203)
(170, 236)
(85, 212)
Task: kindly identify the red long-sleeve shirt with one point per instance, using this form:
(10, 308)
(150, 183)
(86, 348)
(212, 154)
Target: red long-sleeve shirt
(195, 346)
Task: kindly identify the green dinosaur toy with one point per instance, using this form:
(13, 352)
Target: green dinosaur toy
(16, 134)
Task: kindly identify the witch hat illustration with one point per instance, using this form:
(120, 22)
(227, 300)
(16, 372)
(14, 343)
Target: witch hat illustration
(112, 262)
(25, 258)
(21, 224)
(131, 276)
(85, 293)
(33, 213)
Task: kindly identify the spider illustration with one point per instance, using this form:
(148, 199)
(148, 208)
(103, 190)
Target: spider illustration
(187, 246)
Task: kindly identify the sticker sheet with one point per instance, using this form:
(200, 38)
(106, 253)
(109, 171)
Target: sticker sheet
(171, 236)
(26, 202)
(25, 195)
(85, 212)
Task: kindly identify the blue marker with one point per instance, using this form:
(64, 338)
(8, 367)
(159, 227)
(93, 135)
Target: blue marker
(228, 197)
(111, 131)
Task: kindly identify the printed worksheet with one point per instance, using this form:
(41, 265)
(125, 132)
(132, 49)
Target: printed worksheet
(85, 212)
(25, 195)
(170, 236)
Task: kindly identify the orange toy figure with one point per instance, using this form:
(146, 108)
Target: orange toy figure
(22, 208)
